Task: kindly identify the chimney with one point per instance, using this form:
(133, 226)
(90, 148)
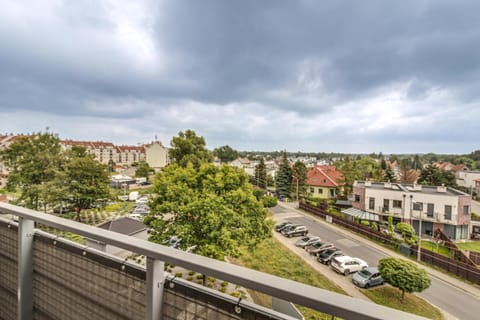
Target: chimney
(417, 187)
(387, 185)
(368, 183)
(442, 188)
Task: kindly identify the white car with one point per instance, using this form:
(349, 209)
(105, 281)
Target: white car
(136, 216)
(347, 264)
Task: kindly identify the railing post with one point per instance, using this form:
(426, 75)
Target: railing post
(25, 269)
(155, 282)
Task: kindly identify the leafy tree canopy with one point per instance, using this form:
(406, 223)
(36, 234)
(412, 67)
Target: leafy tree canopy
(433, 176)
(143, 170)
(225, 153)
(404, 275)
(299, 177)
(211, 207)
(33, 162)
(187, 147)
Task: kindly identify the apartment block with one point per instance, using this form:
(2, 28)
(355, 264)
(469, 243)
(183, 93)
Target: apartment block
(438, 207)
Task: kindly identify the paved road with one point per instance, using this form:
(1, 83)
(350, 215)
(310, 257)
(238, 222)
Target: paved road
(456, 302)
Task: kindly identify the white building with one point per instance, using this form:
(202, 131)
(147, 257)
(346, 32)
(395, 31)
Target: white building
(439, 207)
(156, 155)
(467, 179)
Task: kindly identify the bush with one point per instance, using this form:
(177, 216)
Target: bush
(199, 276)
(258, 193)
(189, 278)
(178, 274)
(211, 279)
(407, 232)
(333, 212)
(374, 226)
(269, 201)
(365, 223)
(224, 284)
(191, 273)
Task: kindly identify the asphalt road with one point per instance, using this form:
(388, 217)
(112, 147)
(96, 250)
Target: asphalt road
(456, 302)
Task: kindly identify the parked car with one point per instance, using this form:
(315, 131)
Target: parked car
(367, 277)
(326, 256)
(136, 216)
(279, 227)
(306, 241)
(347, 264)
(295, 231)
(317, 247)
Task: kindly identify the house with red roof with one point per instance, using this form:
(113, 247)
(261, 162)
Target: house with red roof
(325, 182)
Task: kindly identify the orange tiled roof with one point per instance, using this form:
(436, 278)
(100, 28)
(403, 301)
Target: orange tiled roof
(325, 176)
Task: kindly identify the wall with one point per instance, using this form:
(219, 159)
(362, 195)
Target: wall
(156, 155)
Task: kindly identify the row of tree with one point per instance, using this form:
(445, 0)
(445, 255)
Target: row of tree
(46, 176)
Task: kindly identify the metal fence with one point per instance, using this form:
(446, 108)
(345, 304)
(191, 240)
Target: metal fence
(454, 266)
(318, 299)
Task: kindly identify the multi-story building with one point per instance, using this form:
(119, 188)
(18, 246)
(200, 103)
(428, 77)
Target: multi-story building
(438, 207)
(156, 155)
(467, 179)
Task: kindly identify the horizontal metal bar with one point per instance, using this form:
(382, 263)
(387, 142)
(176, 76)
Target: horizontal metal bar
(302, 294)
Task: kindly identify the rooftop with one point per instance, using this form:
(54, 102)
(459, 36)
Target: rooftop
(410, 188)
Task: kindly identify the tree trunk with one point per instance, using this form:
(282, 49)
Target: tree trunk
(79, 219)
(204, 280)
(403, 296)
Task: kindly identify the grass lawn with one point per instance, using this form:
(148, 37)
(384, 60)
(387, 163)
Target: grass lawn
(432, 246)
(470, 246)
(272, 257)
(390, 297)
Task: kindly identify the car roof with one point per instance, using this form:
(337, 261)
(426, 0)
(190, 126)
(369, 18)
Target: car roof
(371, 269)
(344, 258)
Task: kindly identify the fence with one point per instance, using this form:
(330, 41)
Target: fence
(460, 269)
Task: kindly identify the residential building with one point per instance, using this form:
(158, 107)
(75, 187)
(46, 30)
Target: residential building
(156, 155)
(468, 179)
(325, 182)
(438, 207)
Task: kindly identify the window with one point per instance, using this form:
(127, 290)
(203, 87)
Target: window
(448, 212)
(357, 198)
(418, 206)
(430, 210)
(312, 190)
(371, 203)
(386, 205)
(320, 190)
(466, 209)
(397, 204)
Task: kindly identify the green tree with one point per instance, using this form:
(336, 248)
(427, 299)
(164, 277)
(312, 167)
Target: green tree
(347, 167)
(299, 178)
(433, 176)
(189, 148)
(407, 232)
(143, 170)
(283, 179)
(389, 175)
(211, 207)
(33, 162)
(261, 174)
(404, 275)
(83, 180)
(225, 153)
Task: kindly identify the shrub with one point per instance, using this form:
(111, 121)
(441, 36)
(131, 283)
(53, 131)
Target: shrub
(189, 278)
(211, 279)
(365, 223)
(223, 289)
(374, 226)
(269, 201)
(178, 274)
(224, 284)
(235, 294)
(199, 276)
(191, 273)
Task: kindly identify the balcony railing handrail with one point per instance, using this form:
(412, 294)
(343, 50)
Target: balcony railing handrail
(302, 294)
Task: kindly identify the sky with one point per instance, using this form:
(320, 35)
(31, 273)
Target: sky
(305, 75)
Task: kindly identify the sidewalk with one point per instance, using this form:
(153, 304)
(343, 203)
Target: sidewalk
(434, 273)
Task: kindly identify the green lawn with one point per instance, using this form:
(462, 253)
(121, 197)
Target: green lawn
(272, 257)
(470, 246)
(432, 246)
(390, 297)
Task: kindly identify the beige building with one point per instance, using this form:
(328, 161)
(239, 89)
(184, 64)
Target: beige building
(156, 155)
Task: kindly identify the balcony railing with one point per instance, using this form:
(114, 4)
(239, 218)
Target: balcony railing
(288, 290)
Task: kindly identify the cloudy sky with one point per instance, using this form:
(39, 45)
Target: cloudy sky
(303, 75)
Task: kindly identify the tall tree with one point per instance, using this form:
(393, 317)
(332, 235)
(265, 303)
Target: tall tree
(404, 275)
(211, 207)
(405, 166)
(389, 175)
(189, 148)
(225, 153)
(83, 180)
(261, 174)
(33, 162)
(433, 176)
(347, 167)
(283, 179)
(143, 170)
(299, 178)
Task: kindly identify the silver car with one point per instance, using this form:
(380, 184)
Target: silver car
(367, 277)
(306, 241)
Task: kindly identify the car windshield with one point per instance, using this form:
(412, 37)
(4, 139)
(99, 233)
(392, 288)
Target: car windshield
(305, 239)
(364, 273)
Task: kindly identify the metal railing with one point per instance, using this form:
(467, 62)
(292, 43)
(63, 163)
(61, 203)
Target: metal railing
(319, 299)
